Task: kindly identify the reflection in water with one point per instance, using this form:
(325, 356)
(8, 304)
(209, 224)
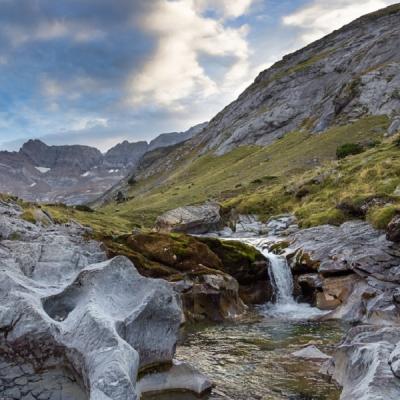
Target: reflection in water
(252, 359)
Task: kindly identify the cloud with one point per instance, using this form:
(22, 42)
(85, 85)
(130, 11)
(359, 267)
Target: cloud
(228, 8)
(322, 17)
(173, 72)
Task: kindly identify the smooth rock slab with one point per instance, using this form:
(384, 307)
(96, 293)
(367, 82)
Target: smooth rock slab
(180, 377)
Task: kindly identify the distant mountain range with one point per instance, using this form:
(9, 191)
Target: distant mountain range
(75, 174)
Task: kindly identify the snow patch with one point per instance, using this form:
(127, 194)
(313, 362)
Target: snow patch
(87, 173)
(43, 170)
(32, 184)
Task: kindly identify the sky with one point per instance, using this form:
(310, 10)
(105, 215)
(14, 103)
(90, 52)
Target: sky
(98, 72)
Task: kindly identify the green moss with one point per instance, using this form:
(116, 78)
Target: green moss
(379, 217)
(28, 215)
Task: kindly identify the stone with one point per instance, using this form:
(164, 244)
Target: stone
(191, 219)
(311, 353)
(393, 229)
(179, 377)
(65, 307)
(394, 127)
(361, 364)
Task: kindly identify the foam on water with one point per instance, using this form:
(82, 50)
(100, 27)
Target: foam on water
(285, 305)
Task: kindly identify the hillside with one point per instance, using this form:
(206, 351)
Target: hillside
(285, 128)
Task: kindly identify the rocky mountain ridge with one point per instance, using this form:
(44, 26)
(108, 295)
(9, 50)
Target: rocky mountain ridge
(74, 174)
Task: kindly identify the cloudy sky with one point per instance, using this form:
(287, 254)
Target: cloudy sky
(98, 71)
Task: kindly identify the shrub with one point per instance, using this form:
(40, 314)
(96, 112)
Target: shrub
(84, 208)
(348, 149)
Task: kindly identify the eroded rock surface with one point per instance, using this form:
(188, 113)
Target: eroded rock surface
(74, 325)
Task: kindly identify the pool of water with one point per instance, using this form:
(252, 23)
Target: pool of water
(252, 359)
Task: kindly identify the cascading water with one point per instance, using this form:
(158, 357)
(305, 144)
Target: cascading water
(282, 279)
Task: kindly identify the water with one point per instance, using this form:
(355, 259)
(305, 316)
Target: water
(285, 305)
(252, 359)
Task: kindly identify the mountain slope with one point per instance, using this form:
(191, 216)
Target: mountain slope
(342, 88)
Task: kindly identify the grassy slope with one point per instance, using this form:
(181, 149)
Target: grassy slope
(249, 177)
(298, 173)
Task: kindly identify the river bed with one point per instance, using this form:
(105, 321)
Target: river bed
(253, 359)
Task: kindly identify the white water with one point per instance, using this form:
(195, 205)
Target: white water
(285, 305)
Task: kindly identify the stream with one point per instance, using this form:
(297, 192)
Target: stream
(252, 359)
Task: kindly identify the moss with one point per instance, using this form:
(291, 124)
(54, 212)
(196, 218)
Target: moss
(279, 247)
(348, 149)
(15, 236)
(380, 217)
(29, 216)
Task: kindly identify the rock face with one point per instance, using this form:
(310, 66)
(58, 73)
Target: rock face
(365, 364)
(73, 174)
(393, 229)
(354, 71)
(191, 219)
(354, 271)
(169, 139)
(74, 325)
(125, 155)
(214, 278)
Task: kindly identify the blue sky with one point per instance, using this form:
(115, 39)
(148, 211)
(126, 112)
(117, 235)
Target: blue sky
(98, 72)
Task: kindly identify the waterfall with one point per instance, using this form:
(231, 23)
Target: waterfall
(281, 278)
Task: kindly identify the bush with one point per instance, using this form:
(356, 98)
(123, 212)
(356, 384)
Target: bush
(84, 208)
(348, 149)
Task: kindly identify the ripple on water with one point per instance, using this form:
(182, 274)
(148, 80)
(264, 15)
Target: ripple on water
(252, 359)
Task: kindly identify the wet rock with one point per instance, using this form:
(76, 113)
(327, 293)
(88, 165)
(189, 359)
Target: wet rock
(311, 353)
(249, 225)
(180, 377)
(393, 229)
(191, 219)
(361, 364)
(335, 291)
(212, 298)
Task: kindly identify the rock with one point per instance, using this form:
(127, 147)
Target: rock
(213, 298)
(361, 364)
(393, 229)
(249, 225)
(311, 353)
(180, 377)
(336, 291)
(394, 127)
(202, 278)
(191, 219)
(74, 324)
(353, 247)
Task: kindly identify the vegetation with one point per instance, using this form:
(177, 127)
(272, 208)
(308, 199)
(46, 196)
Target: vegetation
(264, 180)
(348, 149)
(298, 173)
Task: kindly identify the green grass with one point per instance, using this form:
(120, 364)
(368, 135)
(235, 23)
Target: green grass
(252, 178)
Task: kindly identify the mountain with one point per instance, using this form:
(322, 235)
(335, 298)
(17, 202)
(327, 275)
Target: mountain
(275, 148)
(169, 139)
(73, 174)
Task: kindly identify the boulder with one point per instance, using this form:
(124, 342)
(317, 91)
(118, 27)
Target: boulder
(75, 325)
(191, 219)
(211, 298)
(311, 353)
(394, 127)
(393, 229)
(361, 364)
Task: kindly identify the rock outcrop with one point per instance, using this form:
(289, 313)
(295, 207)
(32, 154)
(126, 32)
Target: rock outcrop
(353, 270)
(191, 219)
(74, 325)
(214, 278)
